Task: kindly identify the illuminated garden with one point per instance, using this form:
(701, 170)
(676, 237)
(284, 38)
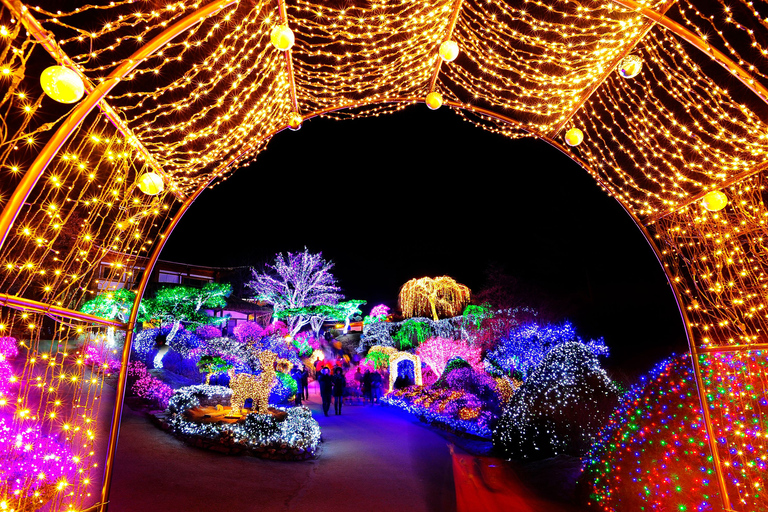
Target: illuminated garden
(117, 116)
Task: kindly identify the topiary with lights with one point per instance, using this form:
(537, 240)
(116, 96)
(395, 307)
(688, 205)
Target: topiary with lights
(560, 407)
(653, 453)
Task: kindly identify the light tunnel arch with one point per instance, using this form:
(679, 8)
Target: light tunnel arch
(656, 17)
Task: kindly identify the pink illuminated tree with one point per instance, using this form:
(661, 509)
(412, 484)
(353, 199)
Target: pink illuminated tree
(436, 352)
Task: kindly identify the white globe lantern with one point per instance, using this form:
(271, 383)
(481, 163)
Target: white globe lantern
(448, 51)
(630, 66)
(151, 183)
(434, 100)
(714, 201)
(282, 37)
(62, 84)
(294, 121)
(573, 137)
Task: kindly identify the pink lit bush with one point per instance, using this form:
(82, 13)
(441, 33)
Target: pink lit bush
(152, 389)
(436, 352)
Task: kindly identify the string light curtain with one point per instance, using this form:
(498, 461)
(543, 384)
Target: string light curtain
(211, 97)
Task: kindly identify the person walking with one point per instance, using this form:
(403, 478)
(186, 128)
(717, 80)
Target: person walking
(339, 382)
(325, 381)
(376, 381)
(296, 376)
(305, 382)
(366, 386)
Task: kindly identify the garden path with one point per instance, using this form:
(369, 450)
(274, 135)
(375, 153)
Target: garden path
(372, 459)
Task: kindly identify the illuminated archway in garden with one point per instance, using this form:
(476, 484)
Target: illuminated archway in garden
(395, 359)
(190, 92)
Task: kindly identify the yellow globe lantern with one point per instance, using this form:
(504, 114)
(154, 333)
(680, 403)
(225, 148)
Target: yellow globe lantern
(449, 50)
(714, 201)
(62, 84)
(630, 66)
(434, 100)
(151, 183)
(294, 121)
(282, 37)
(574, 136)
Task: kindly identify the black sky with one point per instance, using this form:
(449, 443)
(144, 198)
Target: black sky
(425, 193)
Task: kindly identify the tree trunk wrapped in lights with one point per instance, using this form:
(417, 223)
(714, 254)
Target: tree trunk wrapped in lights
(438, 296)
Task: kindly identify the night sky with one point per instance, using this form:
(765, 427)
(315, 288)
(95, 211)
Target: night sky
(423, 193)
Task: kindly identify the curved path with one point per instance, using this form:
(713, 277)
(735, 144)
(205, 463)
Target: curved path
(373, 458)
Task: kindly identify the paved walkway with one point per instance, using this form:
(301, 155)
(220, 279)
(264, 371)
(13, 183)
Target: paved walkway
(373, 458)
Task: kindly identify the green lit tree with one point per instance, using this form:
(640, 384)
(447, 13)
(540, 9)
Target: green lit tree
(185, 305)
(212, 365)
(114, 305)
(347, 309)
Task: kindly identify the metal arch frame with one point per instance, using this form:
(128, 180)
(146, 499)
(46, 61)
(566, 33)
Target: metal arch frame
(713, 53)
(288, 58)
(76, 117)
(447, 37)
(23, 304)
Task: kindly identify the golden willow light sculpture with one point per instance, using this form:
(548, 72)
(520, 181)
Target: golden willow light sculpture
(191, 91)
(435, 296)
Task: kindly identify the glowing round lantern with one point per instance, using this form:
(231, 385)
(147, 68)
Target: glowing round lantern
(151, 183)
(294, 121)
(282, 37)
(62, 84)
(714, 201)
(630, 66)
(574, 136)
(434, 100)
(449, 50)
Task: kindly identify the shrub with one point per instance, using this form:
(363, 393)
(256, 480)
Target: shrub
(524, 348)
(560, 408)
(261, 426)
(208, 331)
(653, 453)
(436, 352)
(248, 331)
(412, 333)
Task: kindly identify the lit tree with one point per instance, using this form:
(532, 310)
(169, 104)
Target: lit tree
(438, 296)
(182, 304)
(346, 310)
(115, 305)
(295, 281)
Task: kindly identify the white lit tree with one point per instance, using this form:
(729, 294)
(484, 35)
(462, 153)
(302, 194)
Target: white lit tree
(295, 281)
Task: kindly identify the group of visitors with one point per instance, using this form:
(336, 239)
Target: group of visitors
(332, 386)
(371, 385)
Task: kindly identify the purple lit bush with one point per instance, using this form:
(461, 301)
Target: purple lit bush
(463, 399)
(102, 359)
(9, 347)
(247, 331)
(8, 350)
(208, 331)
(457, 410)
(523, 348)
(25, 454)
